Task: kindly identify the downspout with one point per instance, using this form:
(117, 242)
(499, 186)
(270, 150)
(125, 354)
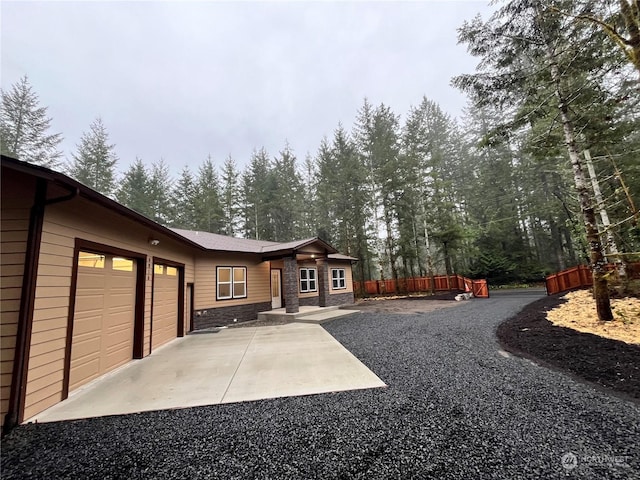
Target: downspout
(27, 302)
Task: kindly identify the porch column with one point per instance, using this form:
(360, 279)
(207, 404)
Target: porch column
(290, 285)
(323, 281)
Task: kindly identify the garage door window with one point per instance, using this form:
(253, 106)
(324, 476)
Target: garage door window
(122, 264)
(91, 260)
(172, 271)
(158, 269)
(231, 282)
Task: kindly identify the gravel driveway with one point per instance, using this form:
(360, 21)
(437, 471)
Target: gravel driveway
(455, 408)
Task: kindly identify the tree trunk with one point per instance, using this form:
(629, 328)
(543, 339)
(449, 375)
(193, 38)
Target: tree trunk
(596, 257)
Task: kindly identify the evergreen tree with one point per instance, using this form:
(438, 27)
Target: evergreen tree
(309, 213)
(208, 208)
(183, 201)
(134, 189)
(378, 141)
(257, 190)
(526, 46)
(285, 208)
(94, 164)
(24, 127)
(230, 197)
(159, 193)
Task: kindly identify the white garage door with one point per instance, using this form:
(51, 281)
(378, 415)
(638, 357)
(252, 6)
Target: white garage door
(165, 304)
(104, 316)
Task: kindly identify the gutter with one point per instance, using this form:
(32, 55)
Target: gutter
(17, 396)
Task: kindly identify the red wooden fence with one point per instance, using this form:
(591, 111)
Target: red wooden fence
(423, 284)
(580, 276)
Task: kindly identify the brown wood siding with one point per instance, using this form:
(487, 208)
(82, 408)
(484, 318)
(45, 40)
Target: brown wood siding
(63, 223)
(17, 197)
(258, 279)
(348, 277)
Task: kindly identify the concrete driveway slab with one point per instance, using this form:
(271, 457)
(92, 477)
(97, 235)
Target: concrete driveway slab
(232, 365)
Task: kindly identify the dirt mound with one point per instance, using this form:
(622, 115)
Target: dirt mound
(406, 304)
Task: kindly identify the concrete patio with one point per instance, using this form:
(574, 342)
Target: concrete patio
(224, 366)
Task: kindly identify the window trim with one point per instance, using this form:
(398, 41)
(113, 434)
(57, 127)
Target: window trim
(308, 280)
(232, 282)
(341, 280)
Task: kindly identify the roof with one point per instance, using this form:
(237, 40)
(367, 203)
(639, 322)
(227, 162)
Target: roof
(214, 241)
(199, 240)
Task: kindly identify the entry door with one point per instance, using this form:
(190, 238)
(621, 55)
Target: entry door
(276, 297)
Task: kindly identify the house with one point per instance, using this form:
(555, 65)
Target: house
(89, 285)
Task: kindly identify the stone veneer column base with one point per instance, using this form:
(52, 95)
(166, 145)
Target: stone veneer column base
(308, 301)
(221, 316)
(340, 299)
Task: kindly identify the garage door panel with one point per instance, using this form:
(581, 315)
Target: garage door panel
(121, 302)
(119, 356)
(88, 324)
(92, 278)
(118, 339)
(165, 308)
(87, 303)
(84, 373)
(103, 320)
(86, 347)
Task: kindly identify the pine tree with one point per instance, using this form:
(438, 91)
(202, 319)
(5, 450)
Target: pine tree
(24, 127)
(94, 164)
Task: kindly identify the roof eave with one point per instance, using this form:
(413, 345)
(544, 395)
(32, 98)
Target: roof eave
(92, 195)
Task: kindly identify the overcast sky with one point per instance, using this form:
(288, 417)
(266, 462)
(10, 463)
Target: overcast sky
(181, 80)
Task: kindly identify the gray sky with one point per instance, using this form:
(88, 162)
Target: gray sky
(180, 80)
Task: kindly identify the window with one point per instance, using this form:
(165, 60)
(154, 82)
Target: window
(92, 260)
(308, 281)
(231, 282)
(122, 264)
(338, 278)
(172, 271)
(158, 269)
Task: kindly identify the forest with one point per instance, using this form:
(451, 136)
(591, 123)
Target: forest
(545, 158)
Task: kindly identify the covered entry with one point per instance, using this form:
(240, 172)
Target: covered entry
(104, 316)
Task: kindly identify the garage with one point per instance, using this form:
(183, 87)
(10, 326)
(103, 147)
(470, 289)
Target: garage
(104, 316)
(165, 304)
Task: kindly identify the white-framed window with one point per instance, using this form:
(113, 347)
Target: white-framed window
(338, 278)
(231, 282)
(308, 280)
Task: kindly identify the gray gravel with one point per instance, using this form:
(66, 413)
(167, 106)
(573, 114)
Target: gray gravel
(455, 408)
